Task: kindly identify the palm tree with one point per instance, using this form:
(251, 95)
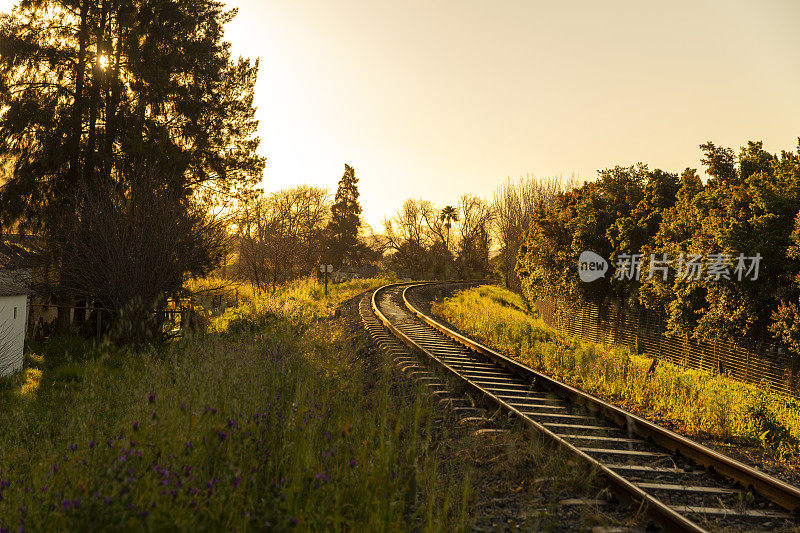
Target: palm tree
(448, 215)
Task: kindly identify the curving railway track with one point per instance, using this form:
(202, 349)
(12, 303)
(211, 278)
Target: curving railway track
(683, 485)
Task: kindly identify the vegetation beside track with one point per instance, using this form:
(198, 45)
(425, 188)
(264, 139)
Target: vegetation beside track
(257, 424)
(696, 402)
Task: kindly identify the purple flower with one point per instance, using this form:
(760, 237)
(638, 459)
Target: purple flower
(353, 462)
(91, 444)
(153, 416)
(152, 397)
(135, 425)
(65, 504)
(222, 435)
(293, 521)
(73, 447)
(236, 481)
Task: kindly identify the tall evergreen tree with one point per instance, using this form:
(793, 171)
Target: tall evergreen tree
(343, 245)
(88, 85)
(92, 91)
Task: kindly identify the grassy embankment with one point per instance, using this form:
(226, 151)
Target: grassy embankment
(268, 421)
(698, 403)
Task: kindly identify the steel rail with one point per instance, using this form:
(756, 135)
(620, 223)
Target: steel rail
(775, 490)
(657, 510)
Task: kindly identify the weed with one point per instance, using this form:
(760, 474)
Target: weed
(698, 402)
(270, 421)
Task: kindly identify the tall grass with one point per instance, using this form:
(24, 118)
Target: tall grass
(270, 421)
(697, 402)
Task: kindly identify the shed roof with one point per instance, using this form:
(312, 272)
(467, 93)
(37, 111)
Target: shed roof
(15, 281)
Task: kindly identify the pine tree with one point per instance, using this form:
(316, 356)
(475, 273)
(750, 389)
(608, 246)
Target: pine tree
(343, 245)
(94, 91)
(86, 86)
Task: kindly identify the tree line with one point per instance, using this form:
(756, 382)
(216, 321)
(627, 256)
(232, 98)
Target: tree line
(289, 233)
(744, 219)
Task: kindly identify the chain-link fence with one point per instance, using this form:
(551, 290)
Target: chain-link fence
(766, 365)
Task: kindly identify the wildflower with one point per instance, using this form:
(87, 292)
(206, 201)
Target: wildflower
(135, 425)
(222, 435)
(153, 416)
(73, 447)
(151, 398)
(353, 463)
(91, 444)
(236, 481)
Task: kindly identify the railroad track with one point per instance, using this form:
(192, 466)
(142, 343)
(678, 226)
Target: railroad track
(683, 485)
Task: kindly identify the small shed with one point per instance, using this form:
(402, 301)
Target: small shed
(14, 292)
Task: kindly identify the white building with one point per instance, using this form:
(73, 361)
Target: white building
(14, 290)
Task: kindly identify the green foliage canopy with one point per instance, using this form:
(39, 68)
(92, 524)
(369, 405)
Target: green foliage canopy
(748, 206)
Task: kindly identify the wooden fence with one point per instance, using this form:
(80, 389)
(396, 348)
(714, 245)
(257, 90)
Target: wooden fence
(766, 365)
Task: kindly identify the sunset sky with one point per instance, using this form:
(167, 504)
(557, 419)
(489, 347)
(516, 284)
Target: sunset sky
(435, 99)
